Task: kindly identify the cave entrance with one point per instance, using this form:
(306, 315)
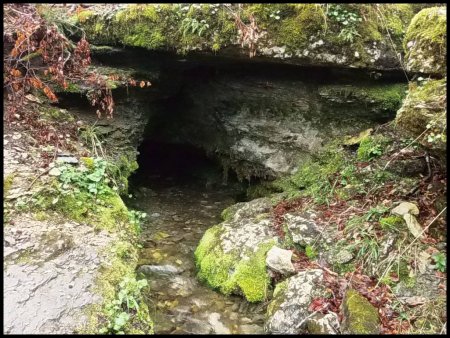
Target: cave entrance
(163, 164)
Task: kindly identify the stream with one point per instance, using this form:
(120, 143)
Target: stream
(183, 194)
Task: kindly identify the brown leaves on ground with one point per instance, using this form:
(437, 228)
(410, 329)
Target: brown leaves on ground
(338, 212)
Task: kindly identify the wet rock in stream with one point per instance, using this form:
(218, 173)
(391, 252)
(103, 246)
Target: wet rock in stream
(156, 270)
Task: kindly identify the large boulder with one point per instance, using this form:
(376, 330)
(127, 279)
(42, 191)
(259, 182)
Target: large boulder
(426, 42)
(288, 312)
(423, 115)
(231, 256)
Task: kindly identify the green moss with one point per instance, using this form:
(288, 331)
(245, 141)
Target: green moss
(88, 162)
(251, 275)
(209, 240)
(56, 114)
(391, 223)
(108, 212)
(428, 35)
(214, 266)
(389, 96)
(184, 27)
(83, 15)
(295, 31)
(74, 206)
(260, 190)
(278, 298)
(7, 184)
(424, 114)
(227, 213)
(41, 216)
(314, 176)
(381, 97)
(122, 168)
(121, 256)
(428, 26)
(227, 272)
(398, 17)
(361, 317)
(112, 215)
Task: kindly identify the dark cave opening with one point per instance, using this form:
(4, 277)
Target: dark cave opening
(163, 164)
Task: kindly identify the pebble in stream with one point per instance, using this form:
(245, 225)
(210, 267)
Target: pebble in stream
(177, 301)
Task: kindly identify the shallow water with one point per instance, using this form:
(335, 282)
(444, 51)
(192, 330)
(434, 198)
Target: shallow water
(179, 214)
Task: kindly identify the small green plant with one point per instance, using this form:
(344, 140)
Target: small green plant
(441, 261)
(348, 34)
(94, 181)
(347, 20)
(120, 310)
(387, 280)
(374, 213)
(275, 15)
(137, 218)
(370, 148)
(409, 142)
(310, 252)
(193, 26)
(436, 131)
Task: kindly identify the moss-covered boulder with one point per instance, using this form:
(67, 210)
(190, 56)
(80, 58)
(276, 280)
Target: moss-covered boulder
(423, 114)
(231, 256)
(360, 317)
(426, 42)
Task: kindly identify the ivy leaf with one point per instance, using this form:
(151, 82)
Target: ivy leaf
(121, 320)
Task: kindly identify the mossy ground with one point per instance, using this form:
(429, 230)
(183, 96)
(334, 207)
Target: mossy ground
(122, 258)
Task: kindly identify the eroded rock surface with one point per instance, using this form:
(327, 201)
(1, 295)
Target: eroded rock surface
(50, 270)
(288, 312)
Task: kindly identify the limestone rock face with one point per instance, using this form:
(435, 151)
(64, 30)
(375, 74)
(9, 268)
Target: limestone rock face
(267, 127)
(288, 312)
(323, 324)
(302, 227)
